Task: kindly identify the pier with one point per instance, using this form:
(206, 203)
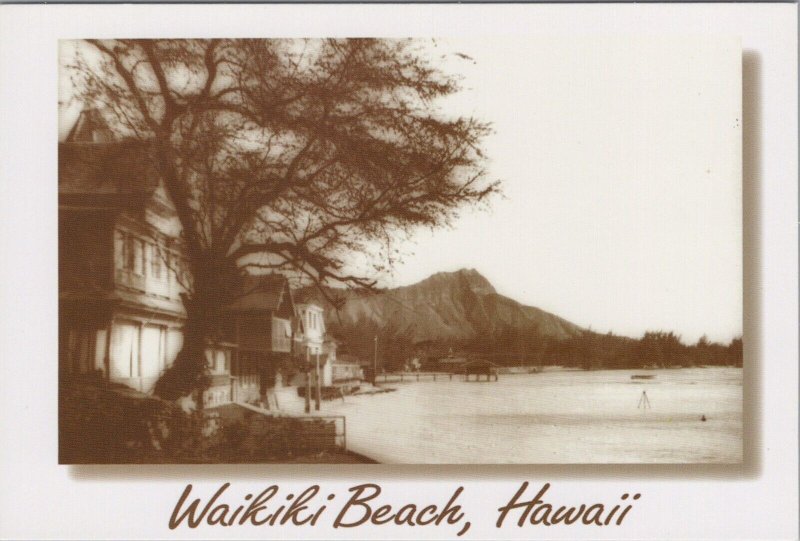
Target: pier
(474, 368)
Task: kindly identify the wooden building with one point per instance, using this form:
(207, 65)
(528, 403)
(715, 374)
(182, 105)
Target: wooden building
(454, 365)
(122, 267)
(261, 327)
(121, 272)
(310, 335)
(479, 368)
(347, 373)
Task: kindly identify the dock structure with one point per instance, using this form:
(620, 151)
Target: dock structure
(480, 368)
(401, 377)
(463, 367)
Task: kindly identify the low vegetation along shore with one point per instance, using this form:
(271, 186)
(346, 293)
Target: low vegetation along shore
(103, 423)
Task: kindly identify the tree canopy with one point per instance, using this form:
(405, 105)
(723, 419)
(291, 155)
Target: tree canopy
(288, 155)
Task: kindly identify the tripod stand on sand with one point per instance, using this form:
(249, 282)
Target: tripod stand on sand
(644, 402)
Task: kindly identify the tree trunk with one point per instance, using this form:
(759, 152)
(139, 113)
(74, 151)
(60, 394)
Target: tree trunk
(211, 278)
(188, 372)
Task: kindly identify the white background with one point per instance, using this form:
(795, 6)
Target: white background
(40, 499)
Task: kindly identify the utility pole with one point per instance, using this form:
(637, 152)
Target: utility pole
(308, 382)
(319, 383)
(375, 363)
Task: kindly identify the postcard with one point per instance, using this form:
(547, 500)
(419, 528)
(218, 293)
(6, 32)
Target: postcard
(485, 271)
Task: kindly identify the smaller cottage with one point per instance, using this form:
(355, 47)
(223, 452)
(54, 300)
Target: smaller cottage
(347, 372)
(260, 324)
(454, 365)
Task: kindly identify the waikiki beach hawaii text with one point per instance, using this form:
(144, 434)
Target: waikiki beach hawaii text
(362, 504)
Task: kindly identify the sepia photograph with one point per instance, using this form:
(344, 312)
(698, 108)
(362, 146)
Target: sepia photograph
(499, 250)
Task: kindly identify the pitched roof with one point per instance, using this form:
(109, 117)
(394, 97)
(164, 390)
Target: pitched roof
(309, 295)
(260, 292)
(90, 127)
(92, 162)
(121, 168)
(454, 360)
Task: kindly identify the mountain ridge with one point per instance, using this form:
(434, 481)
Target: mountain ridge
(456, 305)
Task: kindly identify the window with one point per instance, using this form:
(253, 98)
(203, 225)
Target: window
(125, 350)
(153, 355)
(131, 253)
(156, 261)
(125, 250)
(218, 361)
(119, 249)
(138, 253)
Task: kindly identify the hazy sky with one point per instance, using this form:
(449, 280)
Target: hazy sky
(621, 162)
(621, 167)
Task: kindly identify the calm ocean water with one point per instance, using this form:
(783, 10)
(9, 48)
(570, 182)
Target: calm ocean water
(553, 417)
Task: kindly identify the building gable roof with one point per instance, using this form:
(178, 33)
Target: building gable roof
(121, 168)
(90, 127)
(94, 166)
(265, 292)
(309, 296)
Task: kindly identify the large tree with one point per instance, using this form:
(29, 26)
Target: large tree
(290, 155)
